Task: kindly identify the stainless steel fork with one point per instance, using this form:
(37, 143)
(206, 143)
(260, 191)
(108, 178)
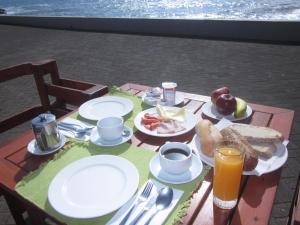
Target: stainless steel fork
(143, 197)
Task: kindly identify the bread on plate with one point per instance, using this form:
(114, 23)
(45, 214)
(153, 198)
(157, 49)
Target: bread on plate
(253, 140)
(258, 134)
(209, 135)
(232, 137)
(262, 139)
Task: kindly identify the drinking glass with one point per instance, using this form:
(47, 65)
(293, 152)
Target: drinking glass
(228, 168)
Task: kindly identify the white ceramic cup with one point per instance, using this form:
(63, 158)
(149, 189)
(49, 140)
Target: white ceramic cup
(175, 161)
(110, 128)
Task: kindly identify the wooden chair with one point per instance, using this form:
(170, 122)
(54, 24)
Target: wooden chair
(68, 93)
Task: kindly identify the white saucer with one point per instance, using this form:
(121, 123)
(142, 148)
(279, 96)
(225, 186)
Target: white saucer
(97, 140)
(158, 100)
(34, 149)
(194, 171)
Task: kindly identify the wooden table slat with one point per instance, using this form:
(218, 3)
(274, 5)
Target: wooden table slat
(283, 123)
(256, 202)
(261, 119)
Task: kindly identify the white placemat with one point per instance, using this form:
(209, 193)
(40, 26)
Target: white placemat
(158, 219)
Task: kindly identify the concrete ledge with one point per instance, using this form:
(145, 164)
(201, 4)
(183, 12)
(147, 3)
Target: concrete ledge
(243, 30)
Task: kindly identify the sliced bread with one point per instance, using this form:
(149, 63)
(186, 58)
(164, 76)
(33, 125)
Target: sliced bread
(263, 149)
(257, 134)
(233, 137)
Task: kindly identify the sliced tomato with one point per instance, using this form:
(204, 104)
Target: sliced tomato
(148, 121)
(151, 116)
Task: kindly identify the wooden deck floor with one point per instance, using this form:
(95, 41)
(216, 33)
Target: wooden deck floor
(262, 73)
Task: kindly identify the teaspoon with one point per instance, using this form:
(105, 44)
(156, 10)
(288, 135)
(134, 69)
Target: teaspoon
(163, 200)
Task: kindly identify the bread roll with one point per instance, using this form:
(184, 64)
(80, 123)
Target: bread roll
(209, 137)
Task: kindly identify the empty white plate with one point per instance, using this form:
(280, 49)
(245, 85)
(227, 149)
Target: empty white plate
(93, 186)
(98, 108)
(194, 171)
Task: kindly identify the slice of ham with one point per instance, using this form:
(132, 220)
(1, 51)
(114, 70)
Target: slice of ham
(170, 127)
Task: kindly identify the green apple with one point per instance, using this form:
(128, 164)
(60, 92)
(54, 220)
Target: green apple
(241, 107)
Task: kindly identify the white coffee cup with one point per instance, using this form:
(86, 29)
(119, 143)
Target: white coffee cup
(110, 128)
(175, 157)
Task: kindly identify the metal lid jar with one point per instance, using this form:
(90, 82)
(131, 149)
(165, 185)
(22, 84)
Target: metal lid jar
(45, 130)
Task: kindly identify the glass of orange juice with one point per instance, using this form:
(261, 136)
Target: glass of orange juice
(228, 168)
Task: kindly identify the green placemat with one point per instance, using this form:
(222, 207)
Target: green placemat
(34, 186)
(138, 106)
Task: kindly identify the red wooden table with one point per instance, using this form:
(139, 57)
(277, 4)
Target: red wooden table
(256, 195)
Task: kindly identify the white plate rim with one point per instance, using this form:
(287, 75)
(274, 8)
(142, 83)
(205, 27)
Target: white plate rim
(178, 99)
(207, 107)
(195, 175)
(190, 117)
(31, 146)
(127, 102)
(132, 176)
(276, 162)
(94, 132)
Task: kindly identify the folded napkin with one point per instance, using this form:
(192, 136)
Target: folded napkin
(171, 113)
(78, 122)
(158, 219)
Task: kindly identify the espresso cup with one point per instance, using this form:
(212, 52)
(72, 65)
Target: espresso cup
(110, 128)
(175, 157)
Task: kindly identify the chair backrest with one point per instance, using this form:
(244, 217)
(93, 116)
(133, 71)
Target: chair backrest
(68, 92)
(11, 73)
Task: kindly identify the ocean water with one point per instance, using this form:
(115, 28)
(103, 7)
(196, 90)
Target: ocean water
(184, 9)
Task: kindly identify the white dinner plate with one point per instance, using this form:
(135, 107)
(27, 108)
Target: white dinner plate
(98, 108)
(190, 122)
(210, 110)
(34, 149)
(264, 165)
(97, 140)
(179, 98)
(193, 172)
(93, 186)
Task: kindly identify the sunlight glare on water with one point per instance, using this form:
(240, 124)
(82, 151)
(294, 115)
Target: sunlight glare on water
(186, 9)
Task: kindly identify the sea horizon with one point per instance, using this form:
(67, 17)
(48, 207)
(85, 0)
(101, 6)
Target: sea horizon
(173, 9)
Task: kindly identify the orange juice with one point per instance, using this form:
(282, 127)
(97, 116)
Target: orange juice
(228, 168)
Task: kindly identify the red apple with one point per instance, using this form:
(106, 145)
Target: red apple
(216, 93)
(226, 104)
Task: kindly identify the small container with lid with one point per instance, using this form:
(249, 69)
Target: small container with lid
(45, 130)
(169, 93)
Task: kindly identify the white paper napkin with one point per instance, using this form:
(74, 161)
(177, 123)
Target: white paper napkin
(158, 219)
(78, 122)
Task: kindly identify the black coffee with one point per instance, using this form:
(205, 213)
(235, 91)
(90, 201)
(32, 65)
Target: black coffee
(175, 154)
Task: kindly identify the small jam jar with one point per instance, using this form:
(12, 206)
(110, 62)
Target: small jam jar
(169, 90)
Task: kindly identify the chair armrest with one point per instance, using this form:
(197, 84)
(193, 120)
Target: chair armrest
(75, 96)
(91, 89)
